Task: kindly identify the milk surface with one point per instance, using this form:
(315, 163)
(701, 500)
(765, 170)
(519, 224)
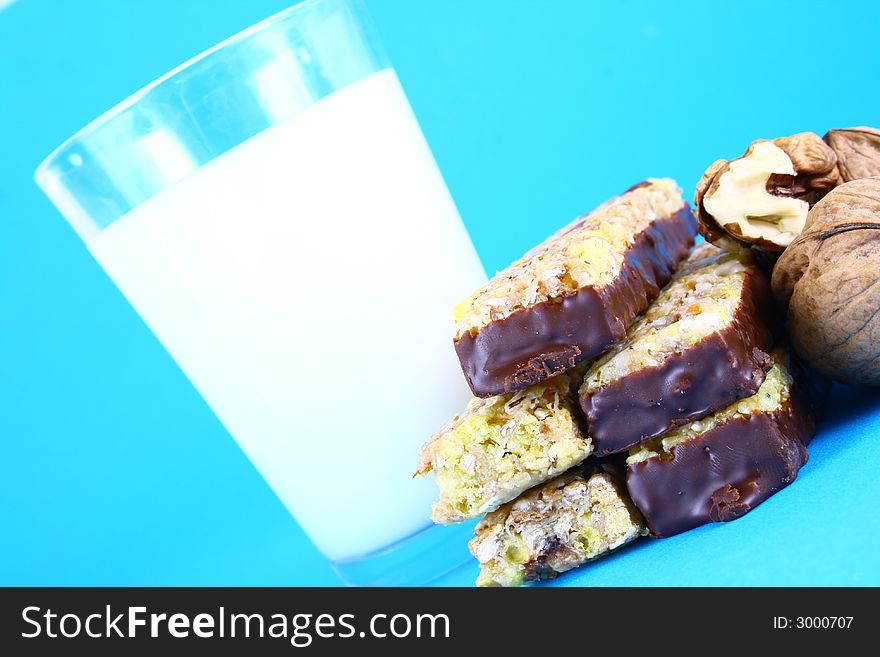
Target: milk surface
(303, 281)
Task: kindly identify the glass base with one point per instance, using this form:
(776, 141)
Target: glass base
(416, 560)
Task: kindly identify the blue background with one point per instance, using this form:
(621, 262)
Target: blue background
(112, 469)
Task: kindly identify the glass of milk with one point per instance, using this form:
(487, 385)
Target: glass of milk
(273, 213)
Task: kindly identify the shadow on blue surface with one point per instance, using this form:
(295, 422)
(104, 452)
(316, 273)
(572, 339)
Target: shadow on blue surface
(848, 404)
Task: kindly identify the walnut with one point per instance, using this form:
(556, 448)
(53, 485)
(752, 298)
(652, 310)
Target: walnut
(762, 198)
(858, 152)
(828, 279)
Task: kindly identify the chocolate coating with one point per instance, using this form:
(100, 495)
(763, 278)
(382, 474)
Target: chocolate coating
(706, 377)
(551, 337)
(725, 472)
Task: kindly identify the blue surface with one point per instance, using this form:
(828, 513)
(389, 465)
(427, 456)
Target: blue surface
(112, 469)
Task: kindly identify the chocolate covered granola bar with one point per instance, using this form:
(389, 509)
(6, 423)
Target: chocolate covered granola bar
(576, 293)
(720, 467)
(555, 527)
(699, 347)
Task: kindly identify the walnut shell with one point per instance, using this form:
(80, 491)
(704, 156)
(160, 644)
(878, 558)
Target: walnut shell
(858, 152)
(829, 278)
(762, 197)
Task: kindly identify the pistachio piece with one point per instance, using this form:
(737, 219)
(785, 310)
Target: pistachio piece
(828, 279)
(858, 152)
(762, 198)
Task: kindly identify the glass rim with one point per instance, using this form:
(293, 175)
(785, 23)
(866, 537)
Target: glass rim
(132, 99)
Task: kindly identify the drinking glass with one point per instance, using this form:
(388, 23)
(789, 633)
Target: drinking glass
(272, 211)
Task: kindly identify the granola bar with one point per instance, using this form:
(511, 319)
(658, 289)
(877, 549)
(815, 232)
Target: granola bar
(699, 347)
(562, 524)
(500, 446)
(576, 293)
(720, 467)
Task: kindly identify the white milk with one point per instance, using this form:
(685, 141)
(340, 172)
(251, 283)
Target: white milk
(304, 281)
